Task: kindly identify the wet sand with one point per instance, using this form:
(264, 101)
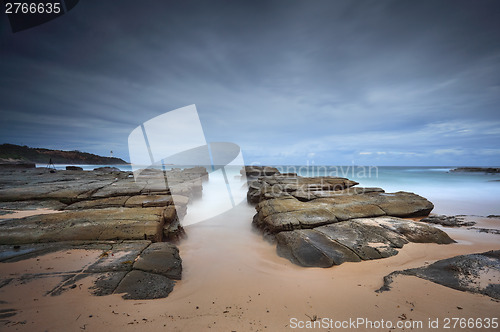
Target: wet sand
(234, 281)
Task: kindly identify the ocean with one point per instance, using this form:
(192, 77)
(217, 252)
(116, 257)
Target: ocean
(453, 193)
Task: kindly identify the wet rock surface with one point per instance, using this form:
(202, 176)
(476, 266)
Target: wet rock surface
(140, 285)
(475, 273)
(448, 221)
(354, 240)
(99, 224)
(160, 258)
(104, 209)
(325, 221)
(291, 185)
(256, 171)
(281, 214)
(137, 269)
(104, 204)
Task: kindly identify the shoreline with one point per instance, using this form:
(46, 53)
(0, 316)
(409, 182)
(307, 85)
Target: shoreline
(233, 280)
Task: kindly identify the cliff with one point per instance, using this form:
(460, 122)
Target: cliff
(12, 153)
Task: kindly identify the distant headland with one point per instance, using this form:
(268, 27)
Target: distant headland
(477, 169)
(12, 154)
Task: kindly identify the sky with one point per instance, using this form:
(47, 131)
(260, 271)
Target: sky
(291, 82)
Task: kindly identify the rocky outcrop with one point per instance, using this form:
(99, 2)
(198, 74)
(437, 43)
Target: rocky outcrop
(140, 285)
(69, 187)
(102, 205)
(354, 240)
(74, 168)
(476, 273)
(64, 186)
(289, 213)
(97, 205)
(448, 221)
(160, 258)
(325, 221)
(137, 269)
(302, 188)
(477, 169)
(16, 164)
(107, 169)
(33, 205)
(257, 171)
(89, 224)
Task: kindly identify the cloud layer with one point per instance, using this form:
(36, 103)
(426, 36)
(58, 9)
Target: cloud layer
(330, 82)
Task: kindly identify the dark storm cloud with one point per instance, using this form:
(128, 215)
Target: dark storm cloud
(332, 81)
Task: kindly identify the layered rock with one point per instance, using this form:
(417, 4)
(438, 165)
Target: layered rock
(289, 213)
(325, 221)
(102, 205)
(302, 188)
(354, 240)
(69, 187)
(88, 224)
(256, 171)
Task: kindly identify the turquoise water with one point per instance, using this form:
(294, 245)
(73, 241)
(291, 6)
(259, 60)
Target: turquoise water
(451, 192)
(87, 167)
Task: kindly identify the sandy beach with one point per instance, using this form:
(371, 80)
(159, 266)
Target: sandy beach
(234, 281)
(243, 166)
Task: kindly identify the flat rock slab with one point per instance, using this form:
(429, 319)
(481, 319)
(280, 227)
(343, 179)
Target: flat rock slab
(160, 258)
(289, 213)
(105, 283)
(112, 268)
(96, 224)
(74, 186)
(122, 187)
(33, 205)
(101, 203)
(256, 171)
(475, 273)
(40, 184)
(104, 204)
(15, 253)
(120, 257)
(140, 285)
(399, 204)
(149, 201)
(354, 240)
